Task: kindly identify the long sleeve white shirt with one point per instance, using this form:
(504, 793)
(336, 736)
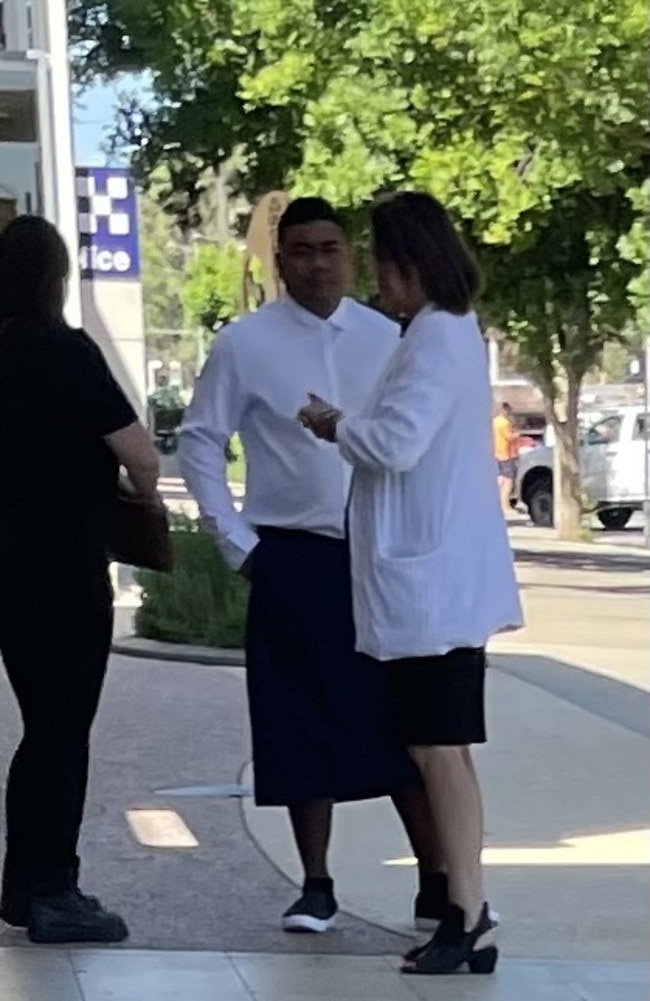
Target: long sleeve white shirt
(432, 568)
(255, 381)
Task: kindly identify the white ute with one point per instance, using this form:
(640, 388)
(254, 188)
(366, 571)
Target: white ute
(613, 462)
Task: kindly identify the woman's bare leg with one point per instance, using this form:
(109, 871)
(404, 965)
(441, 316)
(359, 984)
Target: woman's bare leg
(456, 803)
(505, 490)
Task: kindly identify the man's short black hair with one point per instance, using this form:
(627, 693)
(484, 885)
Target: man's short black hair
(305, 210)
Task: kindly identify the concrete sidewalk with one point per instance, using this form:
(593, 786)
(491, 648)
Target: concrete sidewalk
(566, 825)
(122, 976)
(567, 829)
(195, 868)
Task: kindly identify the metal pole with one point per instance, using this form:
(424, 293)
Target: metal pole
(646, 443)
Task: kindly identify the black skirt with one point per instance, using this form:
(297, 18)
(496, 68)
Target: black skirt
(439, 701)
(320, 715)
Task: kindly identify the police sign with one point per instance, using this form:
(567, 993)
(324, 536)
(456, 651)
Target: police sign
(108, 223)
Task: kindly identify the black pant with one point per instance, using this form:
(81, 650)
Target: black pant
(55, 638)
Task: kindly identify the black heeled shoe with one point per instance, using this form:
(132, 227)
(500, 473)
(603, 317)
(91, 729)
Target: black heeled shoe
(432, 901)
(417, 950)
(452, 947)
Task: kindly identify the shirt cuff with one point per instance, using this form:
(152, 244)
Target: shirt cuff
(341, 441)
(237, 546)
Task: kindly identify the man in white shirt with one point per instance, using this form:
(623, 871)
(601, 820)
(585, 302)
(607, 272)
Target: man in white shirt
(319, 711)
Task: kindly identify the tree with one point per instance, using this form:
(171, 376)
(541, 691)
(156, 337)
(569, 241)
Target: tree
(526, 117)
(212, 295)
(163, 261)
(634, 248)
(190, 285)
(562, 297)
(197, 53)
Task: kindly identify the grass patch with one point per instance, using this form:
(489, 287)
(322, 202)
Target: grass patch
(202, 603)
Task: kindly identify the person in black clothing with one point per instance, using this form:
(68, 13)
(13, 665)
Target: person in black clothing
(66, 428)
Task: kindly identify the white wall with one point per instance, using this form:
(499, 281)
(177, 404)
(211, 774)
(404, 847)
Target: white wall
(113, 316)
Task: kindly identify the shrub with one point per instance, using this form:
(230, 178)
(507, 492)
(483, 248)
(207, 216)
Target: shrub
(203, 602)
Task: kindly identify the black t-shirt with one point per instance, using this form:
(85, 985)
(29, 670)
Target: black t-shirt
(58, 400)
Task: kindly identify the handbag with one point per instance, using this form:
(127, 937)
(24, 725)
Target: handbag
(138, 532)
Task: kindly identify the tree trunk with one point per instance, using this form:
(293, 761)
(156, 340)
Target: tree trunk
(567, 487)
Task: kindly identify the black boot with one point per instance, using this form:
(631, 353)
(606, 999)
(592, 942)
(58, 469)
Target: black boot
(71, 917)
(18, 892)
(16, 895)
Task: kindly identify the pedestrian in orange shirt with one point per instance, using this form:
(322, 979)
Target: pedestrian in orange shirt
(506, 449)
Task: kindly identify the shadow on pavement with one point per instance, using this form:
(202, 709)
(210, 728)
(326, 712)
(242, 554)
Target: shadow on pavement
(607, 698)
(602, 562)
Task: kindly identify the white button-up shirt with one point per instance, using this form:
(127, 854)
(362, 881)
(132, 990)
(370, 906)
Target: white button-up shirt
(432, 567)
(255, 381)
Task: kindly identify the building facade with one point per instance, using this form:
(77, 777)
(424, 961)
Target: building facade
(20, 169)
(95, 211)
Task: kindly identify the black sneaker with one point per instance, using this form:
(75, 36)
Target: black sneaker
(315, 911)
(72, 917)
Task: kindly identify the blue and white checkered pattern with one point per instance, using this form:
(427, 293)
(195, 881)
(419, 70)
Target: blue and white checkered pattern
(108, 224)
(103, 211)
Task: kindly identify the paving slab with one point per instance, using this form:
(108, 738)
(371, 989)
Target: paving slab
(568, 833)
(94, 975)
(166, 727)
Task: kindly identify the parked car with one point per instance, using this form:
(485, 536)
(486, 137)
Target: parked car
(613, 464)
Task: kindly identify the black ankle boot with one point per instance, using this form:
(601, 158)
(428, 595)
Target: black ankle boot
(19, 890)
(452, 947)
(71, 917)
(16, 895)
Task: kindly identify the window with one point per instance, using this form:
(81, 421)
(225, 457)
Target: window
(16, 25)
(640, 428)
(29, 13)
(7, 211)
(18, 116)
(606, 432)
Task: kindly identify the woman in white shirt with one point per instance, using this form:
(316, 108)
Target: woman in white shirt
(432, 569)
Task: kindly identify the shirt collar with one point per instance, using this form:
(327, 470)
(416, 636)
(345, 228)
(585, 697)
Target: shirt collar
(337, 320)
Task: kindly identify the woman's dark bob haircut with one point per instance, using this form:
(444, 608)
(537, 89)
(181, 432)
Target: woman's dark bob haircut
(34, 264)
(415, 233)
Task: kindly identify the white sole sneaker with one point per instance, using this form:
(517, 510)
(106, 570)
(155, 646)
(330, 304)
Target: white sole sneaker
(307, 924)
(428, 924)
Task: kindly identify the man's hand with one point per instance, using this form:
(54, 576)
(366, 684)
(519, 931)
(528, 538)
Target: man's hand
(320, 418)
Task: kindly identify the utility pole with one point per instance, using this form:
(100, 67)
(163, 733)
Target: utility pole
(646, 442)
